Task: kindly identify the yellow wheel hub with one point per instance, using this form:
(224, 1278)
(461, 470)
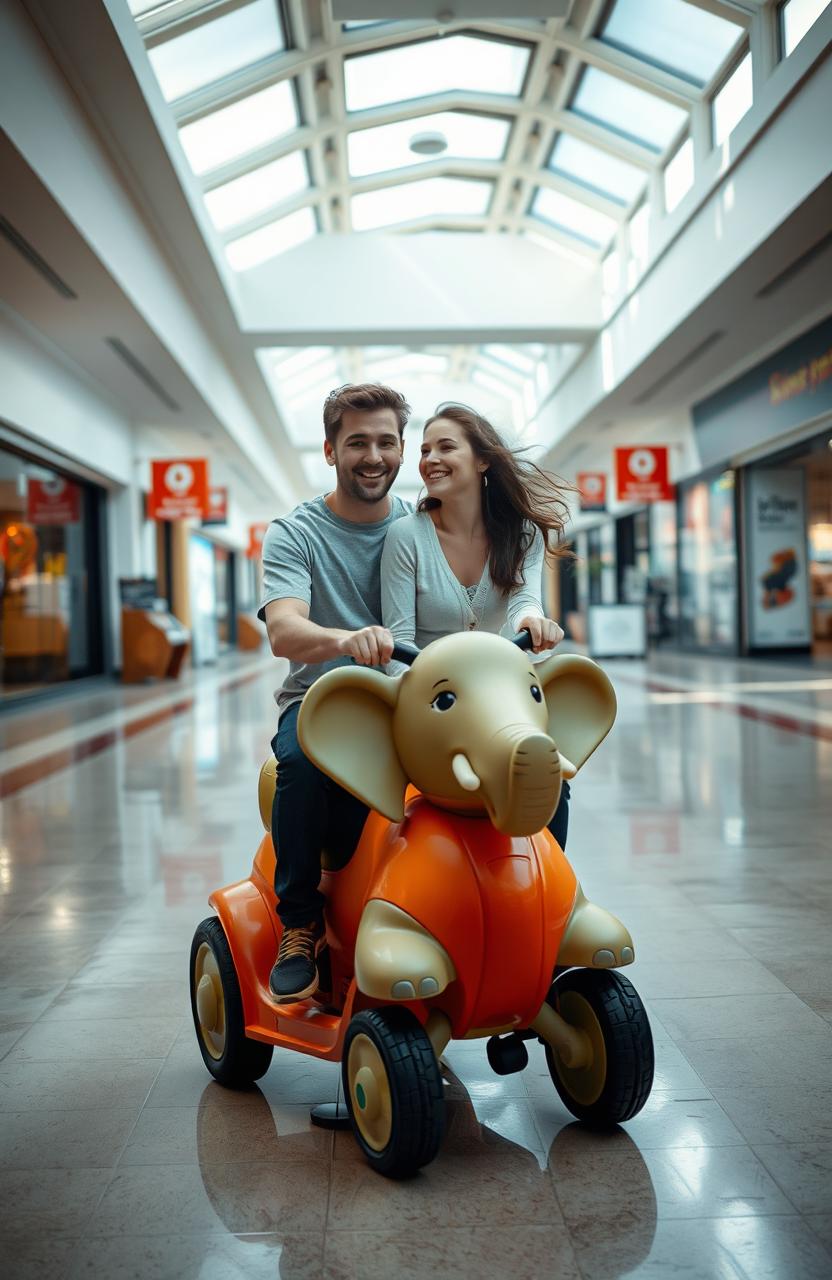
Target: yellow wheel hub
(584, 1084)
(372, 1105)
(210, 1005)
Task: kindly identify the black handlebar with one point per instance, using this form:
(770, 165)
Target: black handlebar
(523, 640)
(406, 653)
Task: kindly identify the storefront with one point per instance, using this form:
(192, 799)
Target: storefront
(777, 421)
(212, 581)
(51, 621)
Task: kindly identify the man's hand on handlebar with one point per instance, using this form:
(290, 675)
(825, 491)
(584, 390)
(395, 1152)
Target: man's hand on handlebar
(544, 632)
(370, 647)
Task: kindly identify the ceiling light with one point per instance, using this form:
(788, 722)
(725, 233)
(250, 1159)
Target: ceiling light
(428, 144)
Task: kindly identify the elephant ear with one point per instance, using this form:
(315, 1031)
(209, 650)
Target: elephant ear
(581, 704)
(345, 727)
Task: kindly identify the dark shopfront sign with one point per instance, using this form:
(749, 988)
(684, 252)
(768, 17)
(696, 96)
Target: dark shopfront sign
(783, 392)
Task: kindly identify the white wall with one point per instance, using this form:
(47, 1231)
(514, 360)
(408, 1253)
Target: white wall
(49, 403)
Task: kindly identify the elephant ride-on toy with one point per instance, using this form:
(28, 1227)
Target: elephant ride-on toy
(457, 916)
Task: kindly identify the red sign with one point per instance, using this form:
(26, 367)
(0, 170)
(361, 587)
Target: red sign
(217, 512)
(641, 474)
(55, 501)
(592, 489)
(256, 534)
(180, 489)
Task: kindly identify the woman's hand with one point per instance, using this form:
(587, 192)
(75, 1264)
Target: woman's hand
(544, 632)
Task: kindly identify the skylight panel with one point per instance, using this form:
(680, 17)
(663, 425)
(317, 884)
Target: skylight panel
(555, 246)
(686, 40)
(511, 356)
(411, 364)
(243, 127)
(678, 176)
(313, 376)
(243, 198)
(215, 49)
(446, 134)
(288, 360)
(463, 63)
(485, 378)
(597, 169)
(797, 16)
(733, 100)
(573, 217)
(428, 198)
(626, 110)
(269, 241)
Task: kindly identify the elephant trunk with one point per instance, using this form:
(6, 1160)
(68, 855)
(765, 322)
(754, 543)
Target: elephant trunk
(524, 794)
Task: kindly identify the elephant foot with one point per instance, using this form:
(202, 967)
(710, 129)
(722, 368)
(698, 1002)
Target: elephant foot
(594, 938)
(396, 959)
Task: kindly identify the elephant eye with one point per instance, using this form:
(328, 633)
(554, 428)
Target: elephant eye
(536, 694)
(444, 700)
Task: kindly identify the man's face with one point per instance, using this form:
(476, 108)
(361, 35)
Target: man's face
(367, 453)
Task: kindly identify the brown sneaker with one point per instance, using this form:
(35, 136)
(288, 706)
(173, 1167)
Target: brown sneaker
(295, 973)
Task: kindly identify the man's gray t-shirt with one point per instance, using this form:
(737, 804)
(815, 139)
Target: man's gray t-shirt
(334, 566)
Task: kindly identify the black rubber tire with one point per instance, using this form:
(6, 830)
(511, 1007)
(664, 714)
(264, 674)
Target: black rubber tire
(243, 1061)
(416, 1089)
(628, 1043)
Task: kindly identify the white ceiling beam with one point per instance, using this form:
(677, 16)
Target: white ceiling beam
(633, 70)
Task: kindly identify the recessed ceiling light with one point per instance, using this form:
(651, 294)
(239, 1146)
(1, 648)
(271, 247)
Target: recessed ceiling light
(428, 144)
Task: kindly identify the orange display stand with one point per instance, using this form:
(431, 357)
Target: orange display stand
(250, 632)
(154, 645)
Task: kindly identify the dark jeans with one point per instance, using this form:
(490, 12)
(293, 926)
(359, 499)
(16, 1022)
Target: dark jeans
(311, 812)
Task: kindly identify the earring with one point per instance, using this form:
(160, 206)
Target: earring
(485, 479)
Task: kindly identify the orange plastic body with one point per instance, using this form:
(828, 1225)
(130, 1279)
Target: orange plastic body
(498, 904)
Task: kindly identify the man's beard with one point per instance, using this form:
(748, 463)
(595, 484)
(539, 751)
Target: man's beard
(356, 487)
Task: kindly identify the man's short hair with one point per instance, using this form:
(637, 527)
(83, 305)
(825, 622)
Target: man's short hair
(363, 395)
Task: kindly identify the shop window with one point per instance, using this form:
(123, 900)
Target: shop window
(708, 564)
(50, 621)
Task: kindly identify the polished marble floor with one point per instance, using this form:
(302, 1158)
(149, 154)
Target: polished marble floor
(705, 822)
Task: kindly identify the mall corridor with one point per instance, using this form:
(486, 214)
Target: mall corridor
(342, 343)
(703, 822)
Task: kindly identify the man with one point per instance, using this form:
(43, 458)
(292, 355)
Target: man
(321, 605)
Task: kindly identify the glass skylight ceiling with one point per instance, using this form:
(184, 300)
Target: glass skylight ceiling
(462, 63)
(573, 217)
(597, 169)
(240, 128)
(671, 34)
(627, 110)
(428, 198)
(275, 145)
(254, 192)
(468, 136)
(214, 49)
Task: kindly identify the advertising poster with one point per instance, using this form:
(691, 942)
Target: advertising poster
(642, 475)
(592, 490)
(777, 579)
(180, 489)
(55, 501)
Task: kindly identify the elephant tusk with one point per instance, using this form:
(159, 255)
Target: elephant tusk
(567, 768)
(464, 774)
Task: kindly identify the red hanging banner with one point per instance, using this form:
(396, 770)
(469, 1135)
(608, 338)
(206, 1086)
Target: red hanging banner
(180, 489)
(256, 534)
(217, 512)
(592, 490)
(641, 474)
(55, 501)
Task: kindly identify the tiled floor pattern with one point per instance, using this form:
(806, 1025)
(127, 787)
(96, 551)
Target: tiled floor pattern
(708, 833)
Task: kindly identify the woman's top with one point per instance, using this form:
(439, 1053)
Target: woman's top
(422, 599)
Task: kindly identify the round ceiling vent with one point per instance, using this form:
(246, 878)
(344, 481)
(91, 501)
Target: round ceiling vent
(428, 144)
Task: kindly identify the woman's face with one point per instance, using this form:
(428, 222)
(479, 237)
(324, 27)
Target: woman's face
(448, 465)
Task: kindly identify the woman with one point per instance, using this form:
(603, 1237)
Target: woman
(471, 556)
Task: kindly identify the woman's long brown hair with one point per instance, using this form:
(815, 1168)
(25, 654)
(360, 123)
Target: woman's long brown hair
(517, 499)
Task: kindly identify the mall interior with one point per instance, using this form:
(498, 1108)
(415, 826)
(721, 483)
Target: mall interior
(607, 226)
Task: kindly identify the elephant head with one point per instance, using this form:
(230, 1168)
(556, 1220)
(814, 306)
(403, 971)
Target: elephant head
(474, 725)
